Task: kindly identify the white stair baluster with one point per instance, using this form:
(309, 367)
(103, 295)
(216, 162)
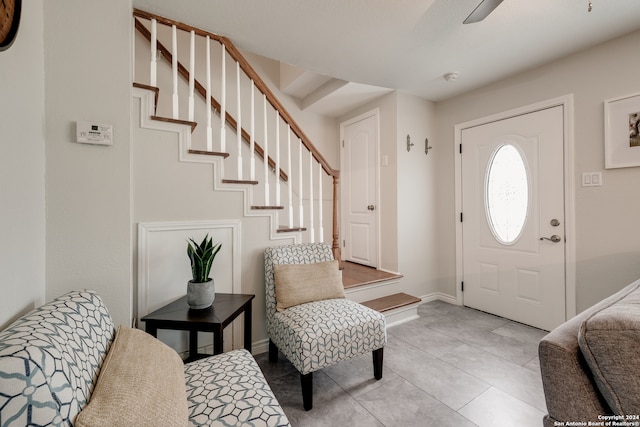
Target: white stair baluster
(133, 51)
(208, 101)
(192, 72)
(300, 207)
(290, 181)
(239, 122)
(153, 70)
(252, 137)
(277, 159)
(223, 102)
(266, 152)
(311, 229)
(320, 225)
(174, 71)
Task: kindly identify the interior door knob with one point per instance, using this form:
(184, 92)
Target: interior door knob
(555, 238)
(371, 207)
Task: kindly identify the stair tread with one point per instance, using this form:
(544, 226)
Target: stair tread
(209, 153)
(266, 207)
(391, 302)
(239, 181)
(291, 229)
(172, 120)
(154, 89)
(147, 87)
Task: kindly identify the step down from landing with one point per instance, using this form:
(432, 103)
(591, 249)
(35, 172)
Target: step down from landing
(398, 308)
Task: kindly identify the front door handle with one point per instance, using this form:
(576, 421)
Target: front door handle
(555, 238)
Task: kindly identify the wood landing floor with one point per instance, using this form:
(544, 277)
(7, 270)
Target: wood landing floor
(354, 275)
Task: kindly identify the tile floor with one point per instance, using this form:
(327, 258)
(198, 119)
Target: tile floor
(454, 366)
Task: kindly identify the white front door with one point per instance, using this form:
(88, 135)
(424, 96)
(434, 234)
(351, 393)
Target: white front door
(359, 190)
(513, 217)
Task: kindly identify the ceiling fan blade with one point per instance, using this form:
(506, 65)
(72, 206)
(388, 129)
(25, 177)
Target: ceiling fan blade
(482, 11)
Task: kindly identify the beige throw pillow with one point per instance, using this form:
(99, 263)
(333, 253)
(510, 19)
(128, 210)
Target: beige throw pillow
(301, 283)
(141, 383)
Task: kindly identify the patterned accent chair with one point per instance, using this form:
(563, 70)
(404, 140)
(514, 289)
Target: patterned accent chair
(320, 333)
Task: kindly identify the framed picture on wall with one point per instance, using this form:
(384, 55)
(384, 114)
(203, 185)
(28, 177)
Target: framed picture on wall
(622, 132)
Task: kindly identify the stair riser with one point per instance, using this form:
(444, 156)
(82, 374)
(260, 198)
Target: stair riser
(373, 291)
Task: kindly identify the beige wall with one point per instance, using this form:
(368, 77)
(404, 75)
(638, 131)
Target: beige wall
(416, 194)
(22, 198)
(87, 77)
(607, 230)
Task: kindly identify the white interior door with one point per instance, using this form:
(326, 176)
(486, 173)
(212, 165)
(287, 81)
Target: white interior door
(513, 218)
(359, 190)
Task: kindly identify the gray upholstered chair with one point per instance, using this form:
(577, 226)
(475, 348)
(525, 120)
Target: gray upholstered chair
(317, 334)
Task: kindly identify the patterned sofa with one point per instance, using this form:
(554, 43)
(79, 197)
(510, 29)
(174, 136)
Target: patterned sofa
(54, 364)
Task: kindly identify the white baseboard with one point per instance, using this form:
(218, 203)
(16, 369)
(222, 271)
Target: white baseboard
(439, 296)
(260, 347)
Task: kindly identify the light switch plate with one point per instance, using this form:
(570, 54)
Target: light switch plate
(591, 179)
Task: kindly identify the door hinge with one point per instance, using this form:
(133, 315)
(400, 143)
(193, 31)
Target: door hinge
(461, 286)
(343, 143)
(460, 216)
(344, 243)
(460, 148)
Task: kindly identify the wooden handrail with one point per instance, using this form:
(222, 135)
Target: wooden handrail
(200, 89)
(252, 74)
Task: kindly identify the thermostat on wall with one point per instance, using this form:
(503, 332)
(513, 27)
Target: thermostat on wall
(94, 133)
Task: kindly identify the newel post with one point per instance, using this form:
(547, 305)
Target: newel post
(335, 246)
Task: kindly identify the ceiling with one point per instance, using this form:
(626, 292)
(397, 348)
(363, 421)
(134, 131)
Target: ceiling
(344, 52)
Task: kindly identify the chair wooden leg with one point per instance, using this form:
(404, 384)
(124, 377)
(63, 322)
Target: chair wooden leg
(377, 362)
(273, 352)
(307, 390)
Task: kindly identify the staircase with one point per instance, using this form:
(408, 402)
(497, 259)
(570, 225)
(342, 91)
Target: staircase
(226, 115)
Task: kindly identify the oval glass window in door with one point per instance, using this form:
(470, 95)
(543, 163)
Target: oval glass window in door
(506, 194)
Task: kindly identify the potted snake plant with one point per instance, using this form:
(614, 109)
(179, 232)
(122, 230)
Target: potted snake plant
(200, 289)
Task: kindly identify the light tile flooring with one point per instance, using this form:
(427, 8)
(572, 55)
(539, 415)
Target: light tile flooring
(454, 366)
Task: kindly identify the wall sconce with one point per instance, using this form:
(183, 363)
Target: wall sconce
(410, 144)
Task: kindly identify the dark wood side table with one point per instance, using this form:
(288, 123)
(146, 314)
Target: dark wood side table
(178, 316)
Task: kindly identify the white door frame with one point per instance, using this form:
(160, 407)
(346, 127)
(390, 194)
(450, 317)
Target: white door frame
(566, 102)
(375, 113)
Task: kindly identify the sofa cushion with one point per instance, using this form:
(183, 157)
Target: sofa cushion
(313, 336)
(230, 389)
(301, 283)
(609, 340)
(141, 384)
